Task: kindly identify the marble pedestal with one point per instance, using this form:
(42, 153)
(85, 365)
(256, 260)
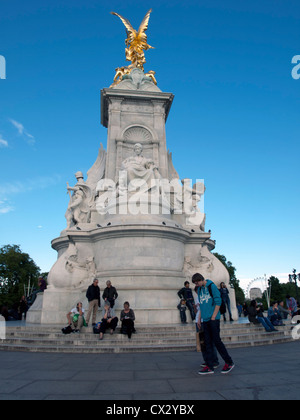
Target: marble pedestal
(147, 264)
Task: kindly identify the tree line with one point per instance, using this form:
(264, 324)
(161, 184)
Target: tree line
(17, 268)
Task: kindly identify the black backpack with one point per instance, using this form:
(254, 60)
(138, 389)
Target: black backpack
(67, 330)
(223, 306)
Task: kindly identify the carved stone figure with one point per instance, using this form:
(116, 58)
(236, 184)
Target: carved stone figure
(192, 197)
(137, 168)
(72, 271)
(78, 210)
(83, 198)
(186, 201)
(198, 262)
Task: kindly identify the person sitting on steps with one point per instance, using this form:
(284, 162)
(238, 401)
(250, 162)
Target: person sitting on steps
(109, 320)
(256, 316)
(127, 318)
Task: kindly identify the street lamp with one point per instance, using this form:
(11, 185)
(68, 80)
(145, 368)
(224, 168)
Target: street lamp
(293, 277)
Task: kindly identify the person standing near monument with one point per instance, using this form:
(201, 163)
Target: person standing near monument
(110, 294)
(210, 302)
(182, 310)
(225, 300)
(186, 293)
(93, 297)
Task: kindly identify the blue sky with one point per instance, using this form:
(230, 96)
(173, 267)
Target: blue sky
(234, 121)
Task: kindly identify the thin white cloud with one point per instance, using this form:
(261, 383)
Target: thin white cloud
(5, 206)
(9, 189)
(283, 277)
(3, 143)
(23, 132)
(5, 210)
(19, 126)
(17, 187)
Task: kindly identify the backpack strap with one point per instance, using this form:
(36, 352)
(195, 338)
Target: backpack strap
(211, 293)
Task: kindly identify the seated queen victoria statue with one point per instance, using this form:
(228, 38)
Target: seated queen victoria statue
(138, 172)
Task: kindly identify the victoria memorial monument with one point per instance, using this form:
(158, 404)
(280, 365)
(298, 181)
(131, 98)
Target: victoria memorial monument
(131, 219)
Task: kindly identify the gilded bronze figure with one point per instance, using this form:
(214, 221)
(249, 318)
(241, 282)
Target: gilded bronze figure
(136, 44)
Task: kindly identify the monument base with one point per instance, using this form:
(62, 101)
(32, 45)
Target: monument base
(147, 264)
(34, 315)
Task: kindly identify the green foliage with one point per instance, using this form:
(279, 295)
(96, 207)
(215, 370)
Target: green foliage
(234, 282)
(16, 268)
(280, 290)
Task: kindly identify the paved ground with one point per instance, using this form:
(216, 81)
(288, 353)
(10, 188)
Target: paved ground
(269, 372)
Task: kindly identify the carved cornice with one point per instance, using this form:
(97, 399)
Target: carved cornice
(186, 236)
(107, 95)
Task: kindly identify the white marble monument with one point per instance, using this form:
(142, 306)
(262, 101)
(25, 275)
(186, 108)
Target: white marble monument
(132, 221)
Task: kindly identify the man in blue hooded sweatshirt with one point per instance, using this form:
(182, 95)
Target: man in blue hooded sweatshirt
(210, 302)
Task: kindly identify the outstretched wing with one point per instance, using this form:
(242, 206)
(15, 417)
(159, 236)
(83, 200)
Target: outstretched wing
(144, 25)
(172, 171)
(131, 33)
(143, 28)
(97, 171)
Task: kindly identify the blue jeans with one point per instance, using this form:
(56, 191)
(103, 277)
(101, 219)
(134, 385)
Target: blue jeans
(182, 315)
(227, 303)
(189, 304)
(212, 337)
(215, 356)
(266, 323)
(204, 352)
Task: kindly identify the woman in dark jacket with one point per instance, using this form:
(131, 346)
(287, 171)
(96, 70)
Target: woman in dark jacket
(127, 318)
(225, 299)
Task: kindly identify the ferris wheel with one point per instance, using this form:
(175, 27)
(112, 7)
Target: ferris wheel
(264, 286)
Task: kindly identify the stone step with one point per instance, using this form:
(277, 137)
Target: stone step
(189, 330)
(150, 335)
(144, 334)
(147, 339)
(109, 348)
(98, 349)
(106, 343)
(141, 327)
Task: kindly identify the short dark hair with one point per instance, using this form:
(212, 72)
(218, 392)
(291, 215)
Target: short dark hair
(197, 277)
(186, 282)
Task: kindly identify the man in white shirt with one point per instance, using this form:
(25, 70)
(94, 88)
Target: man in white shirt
(75, 318)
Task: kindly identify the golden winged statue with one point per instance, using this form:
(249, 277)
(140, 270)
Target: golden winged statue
(136, 44)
